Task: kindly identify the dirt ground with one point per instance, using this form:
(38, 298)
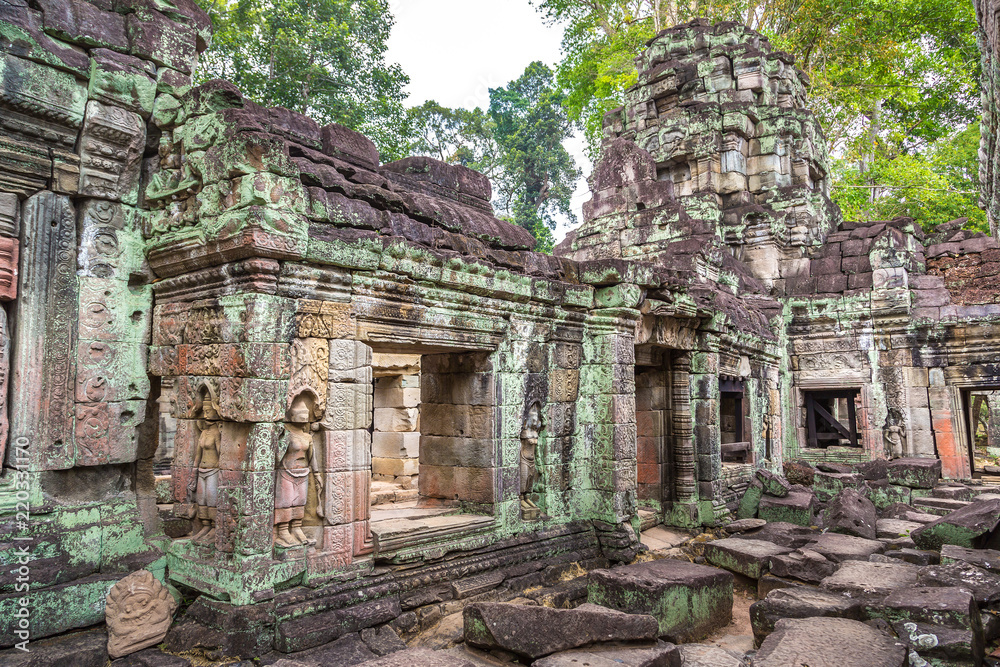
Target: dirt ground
(738, 635)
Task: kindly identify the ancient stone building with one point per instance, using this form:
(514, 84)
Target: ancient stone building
(319, 393)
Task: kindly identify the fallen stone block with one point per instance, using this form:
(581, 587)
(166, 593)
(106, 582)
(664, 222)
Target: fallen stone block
(82, 649)
(798, 507)
(912, 556)
(839, 548)
(971, 526)
(534, 632)
(850, 513)
(915, 473)
(688, 600)
(864, 580)
(748, 557)
(907, 513)
(828, 485)
(769, 583)
(662, 654)
(803, 564)
(800, 603)
(783, 534)
(418, 657)
(953, 608)
(938, 506)
(873, 470)
(983, 584)
(939, 645)
(750, 500)
(774, 485)
(702, 655)
(892, 528)
(954, 491)
(744, 525)
(988, 559)
(828, 642)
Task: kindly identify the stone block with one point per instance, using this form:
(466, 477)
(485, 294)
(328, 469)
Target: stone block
(971, 526)
(804, 564)
(915, 473)
(797, 507)
(839, 548)
(800, 603)
(870, 581)
(748, 557)
(395, 467)
(396, 420)
(829, 642)
(395, 445)
(689, 601)
(850, 513)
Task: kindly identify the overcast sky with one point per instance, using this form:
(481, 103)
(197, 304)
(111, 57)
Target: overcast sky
(456, 50)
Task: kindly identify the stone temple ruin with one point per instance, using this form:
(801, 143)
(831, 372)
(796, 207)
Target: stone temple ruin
(268, 396)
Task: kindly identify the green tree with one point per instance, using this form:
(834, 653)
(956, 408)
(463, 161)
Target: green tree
(458, 136)
(323, 58)
(530, 127)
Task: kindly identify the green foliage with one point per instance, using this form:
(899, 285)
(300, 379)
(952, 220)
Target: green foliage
(891, 80)
(531, 125)
(323, 58)
(517, 144)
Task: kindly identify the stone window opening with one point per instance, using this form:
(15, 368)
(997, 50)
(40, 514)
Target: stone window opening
(832, 418)
(734, 430)
(982, 421)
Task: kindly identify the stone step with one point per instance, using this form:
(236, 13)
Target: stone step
(939, 506)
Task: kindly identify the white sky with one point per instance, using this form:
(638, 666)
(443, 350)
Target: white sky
(454, 51)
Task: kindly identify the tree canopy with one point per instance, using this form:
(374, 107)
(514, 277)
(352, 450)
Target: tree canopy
(324, 58)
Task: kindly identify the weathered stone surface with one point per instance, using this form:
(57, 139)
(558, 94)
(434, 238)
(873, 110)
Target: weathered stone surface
(864, 580)
(971, 526)
(750, 501)
(348, 650)
(81, 649)
(907, 513)
(803, 564)
(988, 559)
(744, 525)
(800, 603)
(938, 608)
(774, 485)
(139, 612)
(883, 494)
(661, 655)
(418, 657)
(151, 657)
(940, 645)
(850, 513)
(797, 507)
(783, 534)
(748, 557)
(914, 473)
(382, 641)
(515, 628)
(701, 655)
(689, 601)
(828, 642)
(839, 548)
(892, 528)
(828, 485)
(983, 584)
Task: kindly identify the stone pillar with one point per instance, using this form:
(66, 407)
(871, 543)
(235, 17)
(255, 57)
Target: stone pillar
(685, 510)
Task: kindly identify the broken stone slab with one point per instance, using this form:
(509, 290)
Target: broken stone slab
(984, 585)
(827, 485)
(877, 469)
(971, 526)
(864, 580)
(750, 500)
(840, 548)
(892, 528)
(912, 556)
(348, 650)
(748, 557)
(518, 628)
(803, 564)
(783, 534)
(774, 485)
(939, 608)
(662, 654)
(688, 600)
(988, 559)
(939, 645)
(744, 525)
(418, 657)
(850, 513)
(954, 491)
(907, 513)
(703, 655)
(938, 506)
(828, 642)
(383, 640)
(797, 507)
(829, 466)
(883, 494)
(81, 649)
(915, 473)
(800, 603)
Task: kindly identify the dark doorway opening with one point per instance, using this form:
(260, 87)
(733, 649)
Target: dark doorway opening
(733, 427)
(831, 418)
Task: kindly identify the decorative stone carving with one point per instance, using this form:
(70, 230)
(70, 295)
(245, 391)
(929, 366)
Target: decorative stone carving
(44, 367)
(204, 488)
(10, 215)
(111, 153)
(310, 371)
(528, 467)
(894, 434)
(8, 268)
(139, 611)
(291, 485)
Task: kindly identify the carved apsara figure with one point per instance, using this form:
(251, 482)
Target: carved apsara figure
(291, 484)
(894, 435)
(138, 610)
(205, 486)
(529, 451)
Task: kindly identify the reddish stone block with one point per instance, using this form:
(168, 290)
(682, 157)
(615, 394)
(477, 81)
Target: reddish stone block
(360, 493)
(649, 473)
(362, 538)
(338, 540)
(648, 449)
(9, 251)
(339, 501)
